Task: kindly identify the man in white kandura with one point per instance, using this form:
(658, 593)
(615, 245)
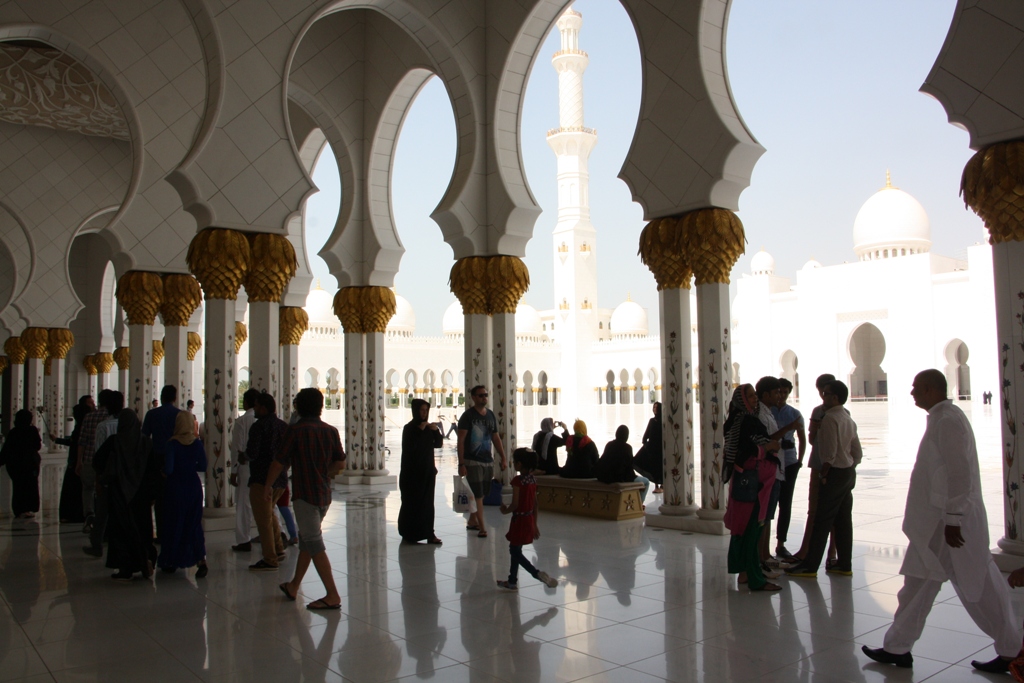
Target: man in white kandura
(947, 526)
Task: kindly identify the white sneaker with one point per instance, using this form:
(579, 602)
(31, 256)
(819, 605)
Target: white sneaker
(547, 580)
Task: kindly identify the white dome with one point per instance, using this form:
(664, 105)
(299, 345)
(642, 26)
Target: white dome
(403, 322)
(629, 319)
(320, 307)
(762, 264)
(528, 323)
(453, 322)
(811, 265)
(891, 223)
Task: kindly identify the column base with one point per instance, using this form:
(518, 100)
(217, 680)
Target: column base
(686, 523)
(218, 519)
(1007, 562)
(349, 477)
(366, 478)
(711, 515)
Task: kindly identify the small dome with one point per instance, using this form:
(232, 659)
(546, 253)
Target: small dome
(811, 265)
(403, 322)
(320, 307)
(891, 223)
(629, 319)
(528, 323)
(453, 322)
(762, 264)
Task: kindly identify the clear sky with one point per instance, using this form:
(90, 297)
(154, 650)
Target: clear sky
(829, 89)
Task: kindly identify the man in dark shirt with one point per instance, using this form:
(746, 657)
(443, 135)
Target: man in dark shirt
(159, 426)
(477, 438)
(266, 437)
(312, 449)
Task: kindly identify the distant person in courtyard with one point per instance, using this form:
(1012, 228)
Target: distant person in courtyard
(104, 432)
(240, 475)
(814, 464)
(546, 444)
(792, 422)
(20, 454)
(417, 479)
(946, 524)
(70, 510)
(477, 439)
(580, 454)
(523, 530)
(158, 425)
(839, 452)
(266, 438)
(312, 449)
(182, 541)
(648, 459)
(747, 449)
(616, 463)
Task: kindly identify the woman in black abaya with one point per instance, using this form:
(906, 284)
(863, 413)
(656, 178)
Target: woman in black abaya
(416, 480)
(131, 471)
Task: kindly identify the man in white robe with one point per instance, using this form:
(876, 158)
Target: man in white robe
(946, 524)
(244, 519)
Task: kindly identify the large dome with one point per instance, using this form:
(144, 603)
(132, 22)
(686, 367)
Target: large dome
(320, 307)
(453, 323)
(763, 263)
(891, 223)
(629, 319)
(403, 322)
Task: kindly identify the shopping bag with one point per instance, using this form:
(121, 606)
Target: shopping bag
(493, 496)
(462, 498)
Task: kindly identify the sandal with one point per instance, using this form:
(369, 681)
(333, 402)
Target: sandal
(284, 589)
(482, 534)
(321, 604)
(434, 541)
(472, 527)
(767, 588)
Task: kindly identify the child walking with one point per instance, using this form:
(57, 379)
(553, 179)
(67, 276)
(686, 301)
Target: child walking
(523, 529)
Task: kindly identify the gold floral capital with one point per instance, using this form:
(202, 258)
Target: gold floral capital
(36, 341)
(158, 352)
(104, 361)
(489, 285)
(182, 295)
(47, 366)
(60, 342)
(15, 350)
(220, 259)
(273, 266)
(714, 241)
(663, 251)
(293, 323)
(241, 334)
(123, 357)
(992, 185)
(89, 363)
(364, 310)
(195, 342)
(140, 294)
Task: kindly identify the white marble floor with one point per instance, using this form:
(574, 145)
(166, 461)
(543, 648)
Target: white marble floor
(633, 604)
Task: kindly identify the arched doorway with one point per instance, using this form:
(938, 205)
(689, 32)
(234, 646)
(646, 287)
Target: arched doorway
(789, 363)
(958, 372)
(867, 351)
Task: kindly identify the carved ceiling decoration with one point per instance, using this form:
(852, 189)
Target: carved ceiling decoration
(43, 86)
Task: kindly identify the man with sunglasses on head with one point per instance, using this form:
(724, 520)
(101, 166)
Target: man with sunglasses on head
(478, 436)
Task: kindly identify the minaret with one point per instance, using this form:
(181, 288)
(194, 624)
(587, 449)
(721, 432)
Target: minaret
(574, 239)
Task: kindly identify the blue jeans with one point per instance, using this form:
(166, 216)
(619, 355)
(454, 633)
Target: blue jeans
(519, 560)
(647, 486)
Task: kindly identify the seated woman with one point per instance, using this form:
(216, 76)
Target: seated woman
(616, 463)
(546, 443)
(581, 454)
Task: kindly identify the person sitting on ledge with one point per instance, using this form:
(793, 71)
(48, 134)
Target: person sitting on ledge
(616, 463)
(581, 454)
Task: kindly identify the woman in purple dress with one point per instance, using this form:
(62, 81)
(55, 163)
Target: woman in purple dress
(183, 543)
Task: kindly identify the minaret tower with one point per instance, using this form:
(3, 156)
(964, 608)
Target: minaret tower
(574, 239)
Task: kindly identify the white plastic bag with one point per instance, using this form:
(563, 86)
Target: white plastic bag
(462, 499)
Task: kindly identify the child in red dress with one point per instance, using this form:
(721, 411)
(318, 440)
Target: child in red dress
(523, 529)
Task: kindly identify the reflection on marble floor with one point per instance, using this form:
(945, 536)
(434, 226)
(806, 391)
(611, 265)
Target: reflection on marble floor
(633, 604)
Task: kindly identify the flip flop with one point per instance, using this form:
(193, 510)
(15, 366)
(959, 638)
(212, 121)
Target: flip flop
(482, 534)
(284, 589)
(321, 605)
(434, 541)
(473, 528)
(767, 588)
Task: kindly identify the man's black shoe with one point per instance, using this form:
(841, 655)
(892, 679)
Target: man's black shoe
(999, 665)
(905, 661)
(242, 547)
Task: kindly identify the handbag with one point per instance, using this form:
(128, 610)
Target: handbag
(493, 496)
(462, 498)
(745, 485)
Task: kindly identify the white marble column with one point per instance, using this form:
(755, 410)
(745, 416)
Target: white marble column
(264, 333)
(104, 363)
(503, 388)
(220, 406)
(715, 358)
(289, 379)
(176, 364)
(35, 394)
(355, 393)
(478, 342)
(57, 399)
(1007, 258)
(373, 418)
(139, 394)
(121, 357)
(17, 380)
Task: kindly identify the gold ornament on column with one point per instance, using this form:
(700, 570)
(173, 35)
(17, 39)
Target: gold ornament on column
(993, 187)
(713, 240)
(293, 323)
(220, 260)
(60, 342)
(47, 367)
(123, 357)
(15, 350)
(241, 334)
(36, 341)
(349, 309)
(363, 310)
(158, 352)
(104, 362)
(468, 282)
(89, 363)
(181, 296)
(140, 294)
(3, 364)
(195, 342)
(663, 251)
(273, 265)
(508, 278)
